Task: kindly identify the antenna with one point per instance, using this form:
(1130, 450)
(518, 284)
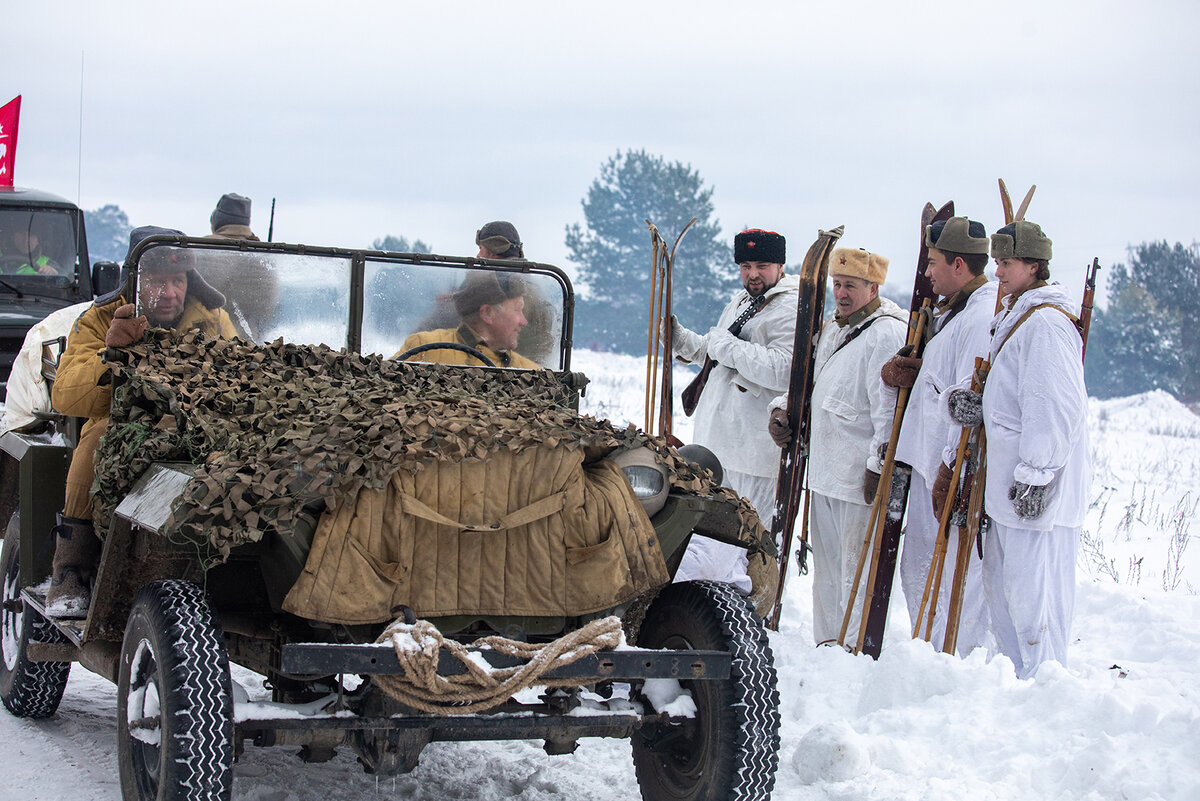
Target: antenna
(79, 159)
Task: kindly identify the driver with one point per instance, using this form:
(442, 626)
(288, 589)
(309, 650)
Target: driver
(27, 249)
(491, 306)
(171, 294)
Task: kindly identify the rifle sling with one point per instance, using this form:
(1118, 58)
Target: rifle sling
(691, 393)
(1028, 313)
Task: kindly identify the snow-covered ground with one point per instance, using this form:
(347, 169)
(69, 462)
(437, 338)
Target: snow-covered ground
(1122, 721)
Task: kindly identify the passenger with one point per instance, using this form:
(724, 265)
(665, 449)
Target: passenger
(231, 218)
(172, 295)
(491, 307)
(26, 247)
(248, 282)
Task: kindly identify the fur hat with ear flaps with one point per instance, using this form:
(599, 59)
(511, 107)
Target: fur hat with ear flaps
(1021, 240)
(859, 263)
(501, 238)
(173, 260)
(957, 235)
(755, 244)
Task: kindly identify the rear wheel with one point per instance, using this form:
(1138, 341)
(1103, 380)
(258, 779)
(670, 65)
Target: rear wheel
(28, 689)
(730, 750)
(174, 699)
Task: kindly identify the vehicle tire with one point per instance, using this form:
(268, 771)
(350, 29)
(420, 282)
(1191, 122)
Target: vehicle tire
(174, 699)
(28, 689)
(730, 751)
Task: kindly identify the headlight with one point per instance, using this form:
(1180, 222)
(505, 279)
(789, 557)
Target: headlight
(647, 477)
(646, 481)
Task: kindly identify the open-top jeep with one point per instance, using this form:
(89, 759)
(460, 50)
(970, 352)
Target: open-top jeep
(407, 551)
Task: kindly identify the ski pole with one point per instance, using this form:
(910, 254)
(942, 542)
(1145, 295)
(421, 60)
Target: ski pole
(939, 553)
(651, 350)
(967, 534)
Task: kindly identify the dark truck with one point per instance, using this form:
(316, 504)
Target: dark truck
(43, 265)
(233, 469)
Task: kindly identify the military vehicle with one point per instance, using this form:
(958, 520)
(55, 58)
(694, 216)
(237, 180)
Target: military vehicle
(395, 546)
(43, 265)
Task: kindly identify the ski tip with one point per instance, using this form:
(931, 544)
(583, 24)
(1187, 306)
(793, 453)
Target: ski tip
(1024, 207)
(1006, 202)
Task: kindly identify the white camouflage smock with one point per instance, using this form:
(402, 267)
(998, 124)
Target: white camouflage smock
(731, 415)
(927, 440)
(1035, 416)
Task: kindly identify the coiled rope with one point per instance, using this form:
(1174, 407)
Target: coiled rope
(418, 648)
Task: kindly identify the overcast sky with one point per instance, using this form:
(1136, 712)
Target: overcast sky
(428, 119)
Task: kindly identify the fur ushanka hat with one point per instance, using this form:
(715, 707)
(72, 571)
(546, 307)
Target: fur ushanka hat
(755, 244)
(859, 263)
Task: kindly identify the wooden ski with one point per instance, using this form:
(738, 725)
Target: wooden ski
(892, 506)
(810, 309)
(662, 267)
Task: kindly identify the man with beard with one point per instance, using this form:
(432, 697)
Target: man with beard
(1034, 409)
(851, 421)
(928, 441)
(751, 345)
(170, 294)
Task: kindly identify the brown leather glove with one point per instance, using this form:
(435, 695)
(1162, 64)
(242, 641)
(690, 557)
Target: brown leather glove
(870, 485)
(901, 370)
(125, 329)
(778, 428)
(941, 488)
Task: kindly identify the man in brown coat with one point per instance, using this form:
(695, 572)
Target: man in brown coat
(171, 294)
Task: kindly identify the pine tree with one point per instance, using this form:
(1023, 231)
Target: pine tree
(1147, 337)
(107, 233)
(1131, 347)
(613, 251)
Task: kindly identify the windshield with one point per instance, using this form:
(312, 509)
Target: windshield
(39, 243)
(514, 318)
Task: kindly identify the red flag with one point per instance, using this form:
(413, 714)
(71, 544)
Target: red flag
(10, 116)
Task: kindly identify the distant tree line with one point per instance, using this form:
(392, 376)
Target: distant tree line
(1147, 336)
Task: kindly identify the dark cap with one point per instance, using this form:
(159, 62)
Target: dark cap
(755, 244)
(501, 238)
(485, 288)
(232, 209)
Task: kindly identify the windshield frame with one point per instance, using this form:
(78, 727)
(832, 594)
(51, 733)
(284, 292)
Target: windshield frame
(358, 259)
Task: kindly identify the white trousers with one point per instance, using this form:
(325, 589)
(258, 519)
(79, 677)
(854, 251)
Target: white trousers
(1029, 581)
(719, 561)
(836, 530)
(920, 538)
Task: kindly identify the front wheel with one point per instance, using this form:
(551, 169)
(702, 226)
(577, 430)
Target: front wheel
(174, 699)
(28, 689)
(730, 750)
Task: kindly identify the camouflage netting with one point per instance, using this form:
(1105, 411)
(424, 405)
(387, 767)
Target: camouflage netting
(271, 428)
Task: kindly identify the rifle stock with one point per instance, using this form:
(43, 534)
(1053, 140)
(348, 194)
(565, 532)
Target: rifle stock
(1085, 311)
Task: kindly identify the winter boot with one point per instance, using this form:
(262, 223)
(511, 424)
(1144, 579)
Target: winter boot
(76, 554)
